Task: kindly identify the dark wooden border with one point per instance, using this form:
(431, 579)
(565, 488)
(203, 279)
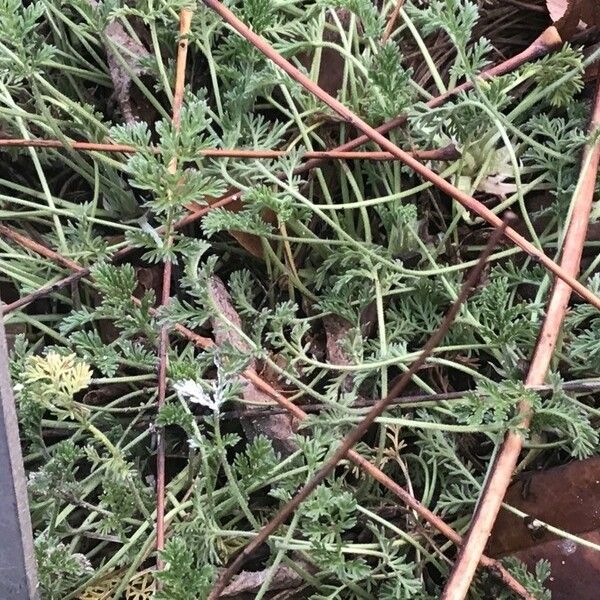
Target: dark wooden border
(18, 579)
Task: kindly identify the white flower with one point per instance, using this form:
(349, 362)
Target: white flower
(192, 391)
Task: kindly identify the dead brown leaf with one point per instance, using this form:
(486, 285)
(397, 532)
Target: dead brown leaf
(223, 333)
(279, 428)
(570, 15)
(567, 497)
(131, 53)
(251, 581)
(336, 330)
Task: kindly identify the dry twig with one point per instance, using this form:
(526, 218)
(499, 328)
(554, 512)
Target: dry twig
(444, 154)
(185, 21)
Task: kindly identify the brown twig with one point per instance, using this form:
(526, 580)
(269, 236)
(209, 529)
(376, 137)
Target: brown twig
(185, 21)
(203, 342)
(392, 21)
(409, 500)
(370, 469)
(575, 387)
(444, 154)
(38, 248)
(361, 429)
(461, 197)
(58, 144)
(493, 493)
(43, 292)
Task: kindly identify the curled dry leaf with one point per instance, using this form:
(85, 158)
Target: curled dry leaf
(131, 52)
(567, 497)
(279, 428)
(569, 15)
(223, 333)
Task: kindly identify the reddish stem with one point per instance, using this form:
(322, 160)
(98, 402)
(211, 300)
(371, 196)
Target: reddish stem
(185, 21)
(389, 28)
(447, 153)
(81, 272)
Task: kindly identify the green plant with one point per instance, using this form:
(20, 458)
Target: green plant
(332, 281)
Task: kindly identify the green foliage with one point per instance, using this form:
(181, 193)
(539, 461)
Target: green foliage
(121, 498)
(371, 20)
(495, 403)
(59, 570)
(257, 462)
(533, 582)
(565, 137)
(58, 475)
(386, 91)
(183, 576)
(25, 49)
(172, 188)
(366, 242)
(555, 67)
(557, 415)
(328, 513)
(260, 14)
(456, 17)
(474, 60)
(504, 321)
(560, 416)
(116, 285)
(175, 414)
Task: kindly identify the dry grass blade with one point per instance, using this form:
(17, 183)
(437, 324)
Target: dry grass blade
(495, 489)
